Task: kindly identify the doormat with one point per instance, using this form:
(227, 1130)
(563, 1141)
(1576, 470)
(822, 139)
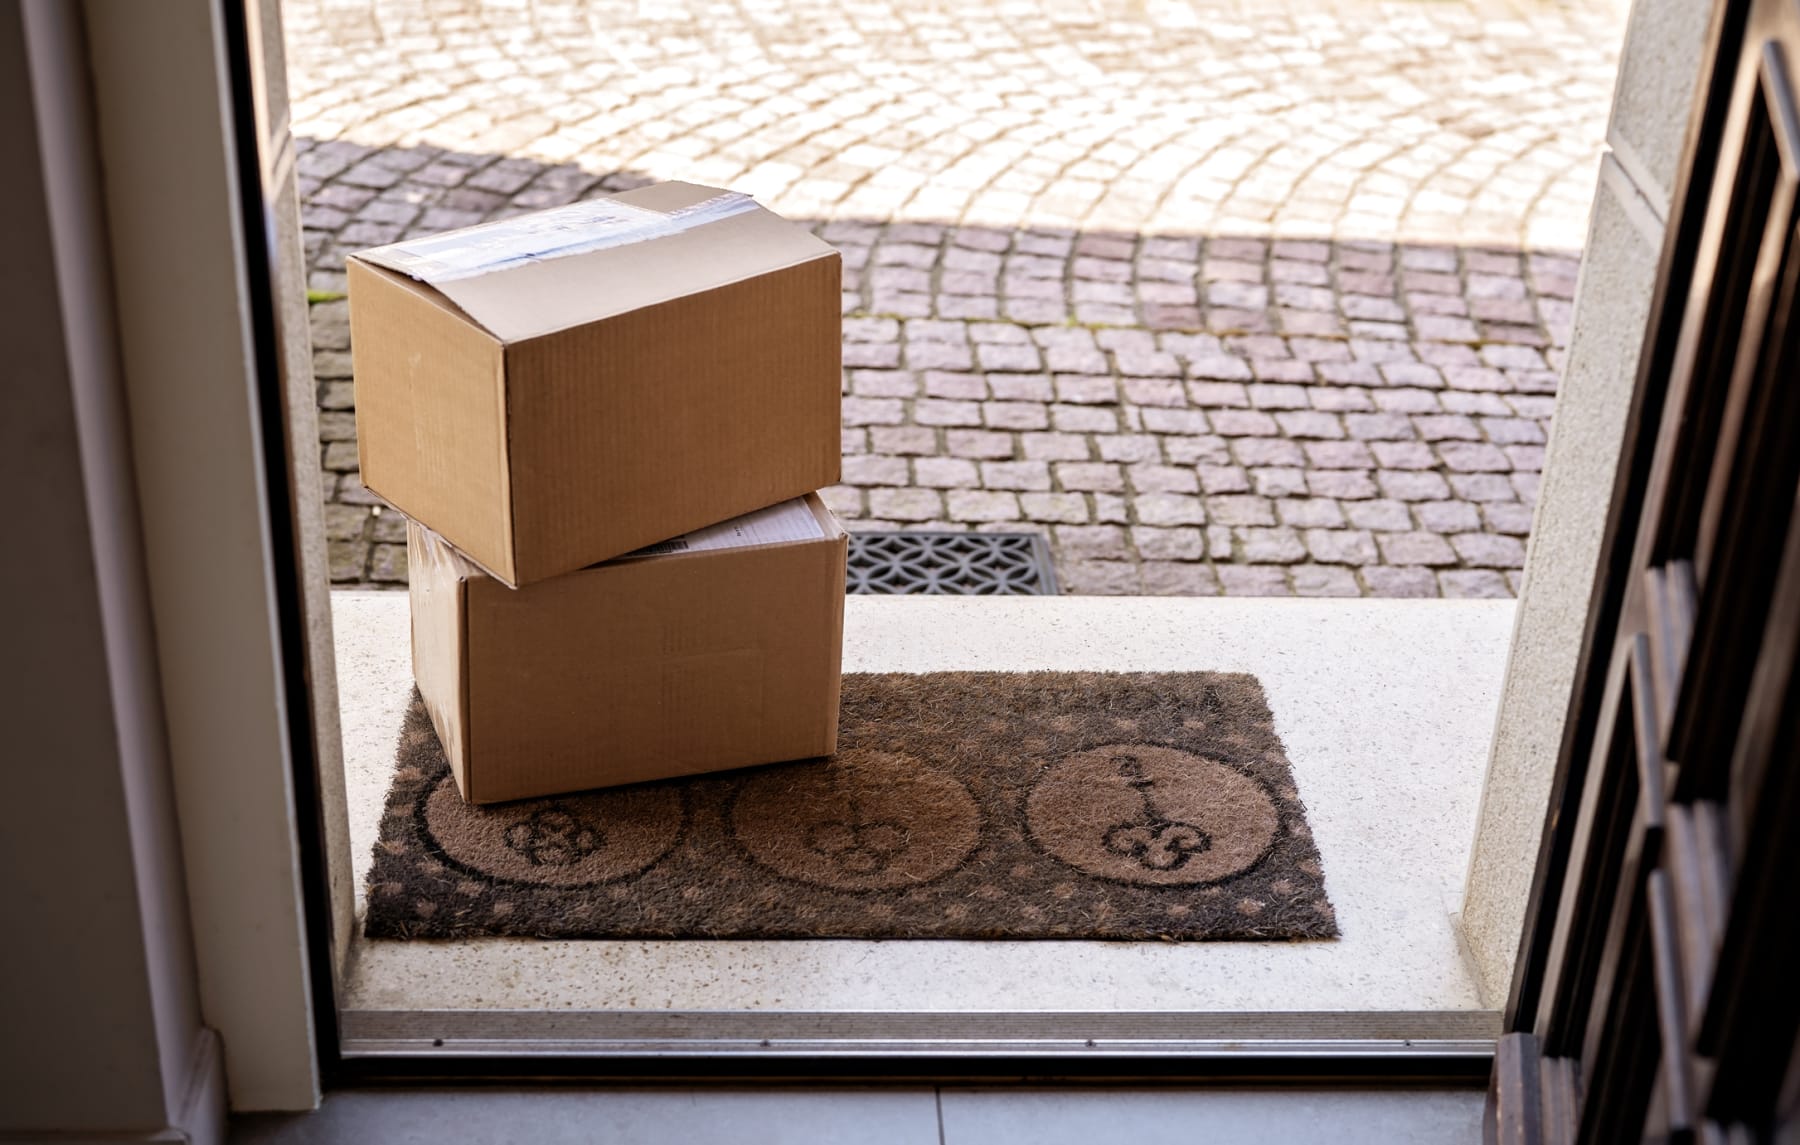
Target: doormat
(960, 805)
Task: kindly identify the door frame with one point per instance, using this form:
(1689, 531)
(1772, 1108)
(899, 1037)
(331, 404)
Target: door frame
(1203, 1051)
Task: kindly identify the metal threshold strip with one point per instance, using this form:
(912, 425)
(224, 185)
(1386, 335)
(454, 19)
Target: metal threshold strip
(786, 1033)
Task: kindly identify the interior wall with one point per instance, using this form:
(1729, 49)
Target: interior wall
(164, 118)
(103, 1033)
(1659, 70)
(149, 832)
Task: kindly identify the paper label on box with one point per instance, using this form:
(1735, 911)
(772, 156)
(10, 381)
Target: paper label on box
(788, 521)
(575, 229)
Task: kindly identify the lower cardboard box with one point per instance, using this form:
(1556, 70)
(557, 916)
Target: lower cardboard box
(716, 650)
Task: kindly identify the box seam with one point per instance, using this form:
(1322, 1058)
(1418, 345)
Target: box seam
(507, 524)
(465, 710)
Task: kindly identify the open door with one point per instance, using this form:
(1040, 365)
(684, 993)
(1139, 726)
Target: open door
(1657, 992)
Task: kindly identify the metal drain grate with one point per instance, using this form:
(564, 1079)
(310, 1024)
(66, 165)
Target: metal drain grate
(958, 564)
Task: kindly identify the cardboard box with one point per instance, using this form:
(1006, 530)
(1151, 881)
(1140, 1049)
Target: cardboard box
(554, 390)
(717, 650)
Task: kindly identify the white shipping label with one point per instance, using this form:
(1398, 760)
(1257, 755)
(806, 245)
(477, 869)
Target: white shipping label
(575, 229)
(788, 521)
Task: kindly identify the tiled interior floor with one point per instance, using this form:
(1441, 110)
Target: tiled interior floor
(1385, 707)
(899, 1116)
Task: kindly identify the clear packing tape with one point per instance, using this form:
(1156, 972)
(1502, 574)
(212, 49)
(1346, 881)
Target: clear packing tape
(575, 229)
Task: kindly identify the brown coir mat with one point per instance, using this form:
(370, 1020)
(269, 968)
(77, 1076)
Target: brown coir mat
(959, 805)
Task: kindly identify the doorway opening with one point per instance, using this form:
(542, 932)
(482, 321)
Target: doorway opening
(1191, 294)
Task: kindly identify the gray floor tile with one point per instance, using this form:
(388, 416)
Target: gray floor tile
(607, 1117)
(1212, 1117)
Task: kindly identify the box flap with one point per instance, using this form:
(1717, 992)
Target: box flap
(431, 421)
(785, 523)
(533, 275)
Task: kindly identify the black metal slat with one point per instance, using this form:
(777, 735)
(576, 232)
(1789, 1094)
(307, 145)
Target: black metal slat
(1671, 1006)
(1757, 457)
(1602, 839)
(1694, 860)
(1786, 1117)
(1754, 992)
(1712, 326)
(1619, 1063)
(1532, 1099)
(1754, 998)
(1653, 787)
(1515, 1093)
(1559, 1090)
(1669, 601)
(1621, 1046)
(1624, 1043)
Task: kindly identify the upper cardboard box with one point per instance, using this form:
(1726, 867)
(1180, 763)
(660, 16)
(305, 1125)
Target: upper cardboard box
(551, 391)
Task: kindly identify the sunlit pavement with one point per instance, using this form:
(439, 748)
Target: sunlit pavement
(1259, 298)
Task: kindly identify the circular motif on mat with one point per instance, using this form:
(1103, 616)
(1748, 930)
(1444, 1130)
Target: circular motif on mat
(566, 842)
(859, 822)
(1151, 815)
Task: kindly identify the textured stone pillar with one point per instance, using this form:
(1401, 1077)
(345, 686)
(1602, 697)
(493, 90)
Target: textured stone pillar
(1656, 87)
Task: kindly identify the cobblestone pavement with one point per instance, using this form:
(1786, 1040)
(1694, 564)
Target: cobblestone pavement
(1255, 298)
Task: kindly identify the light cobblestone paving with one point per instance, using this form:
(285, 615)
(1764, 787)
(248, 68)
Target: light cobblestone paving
(1252, 299)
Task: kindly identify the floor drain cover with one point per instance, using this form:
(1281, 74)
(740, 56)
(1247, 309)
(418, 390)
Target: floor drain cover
(959, 564)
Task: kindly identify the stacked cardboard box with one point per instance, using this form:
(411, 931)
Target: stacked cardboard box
(606, 424)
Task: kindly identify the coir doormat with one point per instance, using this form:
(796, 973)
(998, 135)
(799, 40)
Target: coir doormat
(959, 805)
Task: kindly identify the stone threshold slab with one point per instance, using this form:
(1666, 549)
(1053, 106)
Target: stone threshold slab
(1386, 708)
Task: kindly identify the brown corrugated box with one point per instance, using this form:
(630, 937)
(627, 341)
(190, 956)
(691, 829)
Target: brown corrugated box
(561, 409)
(637, 669)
